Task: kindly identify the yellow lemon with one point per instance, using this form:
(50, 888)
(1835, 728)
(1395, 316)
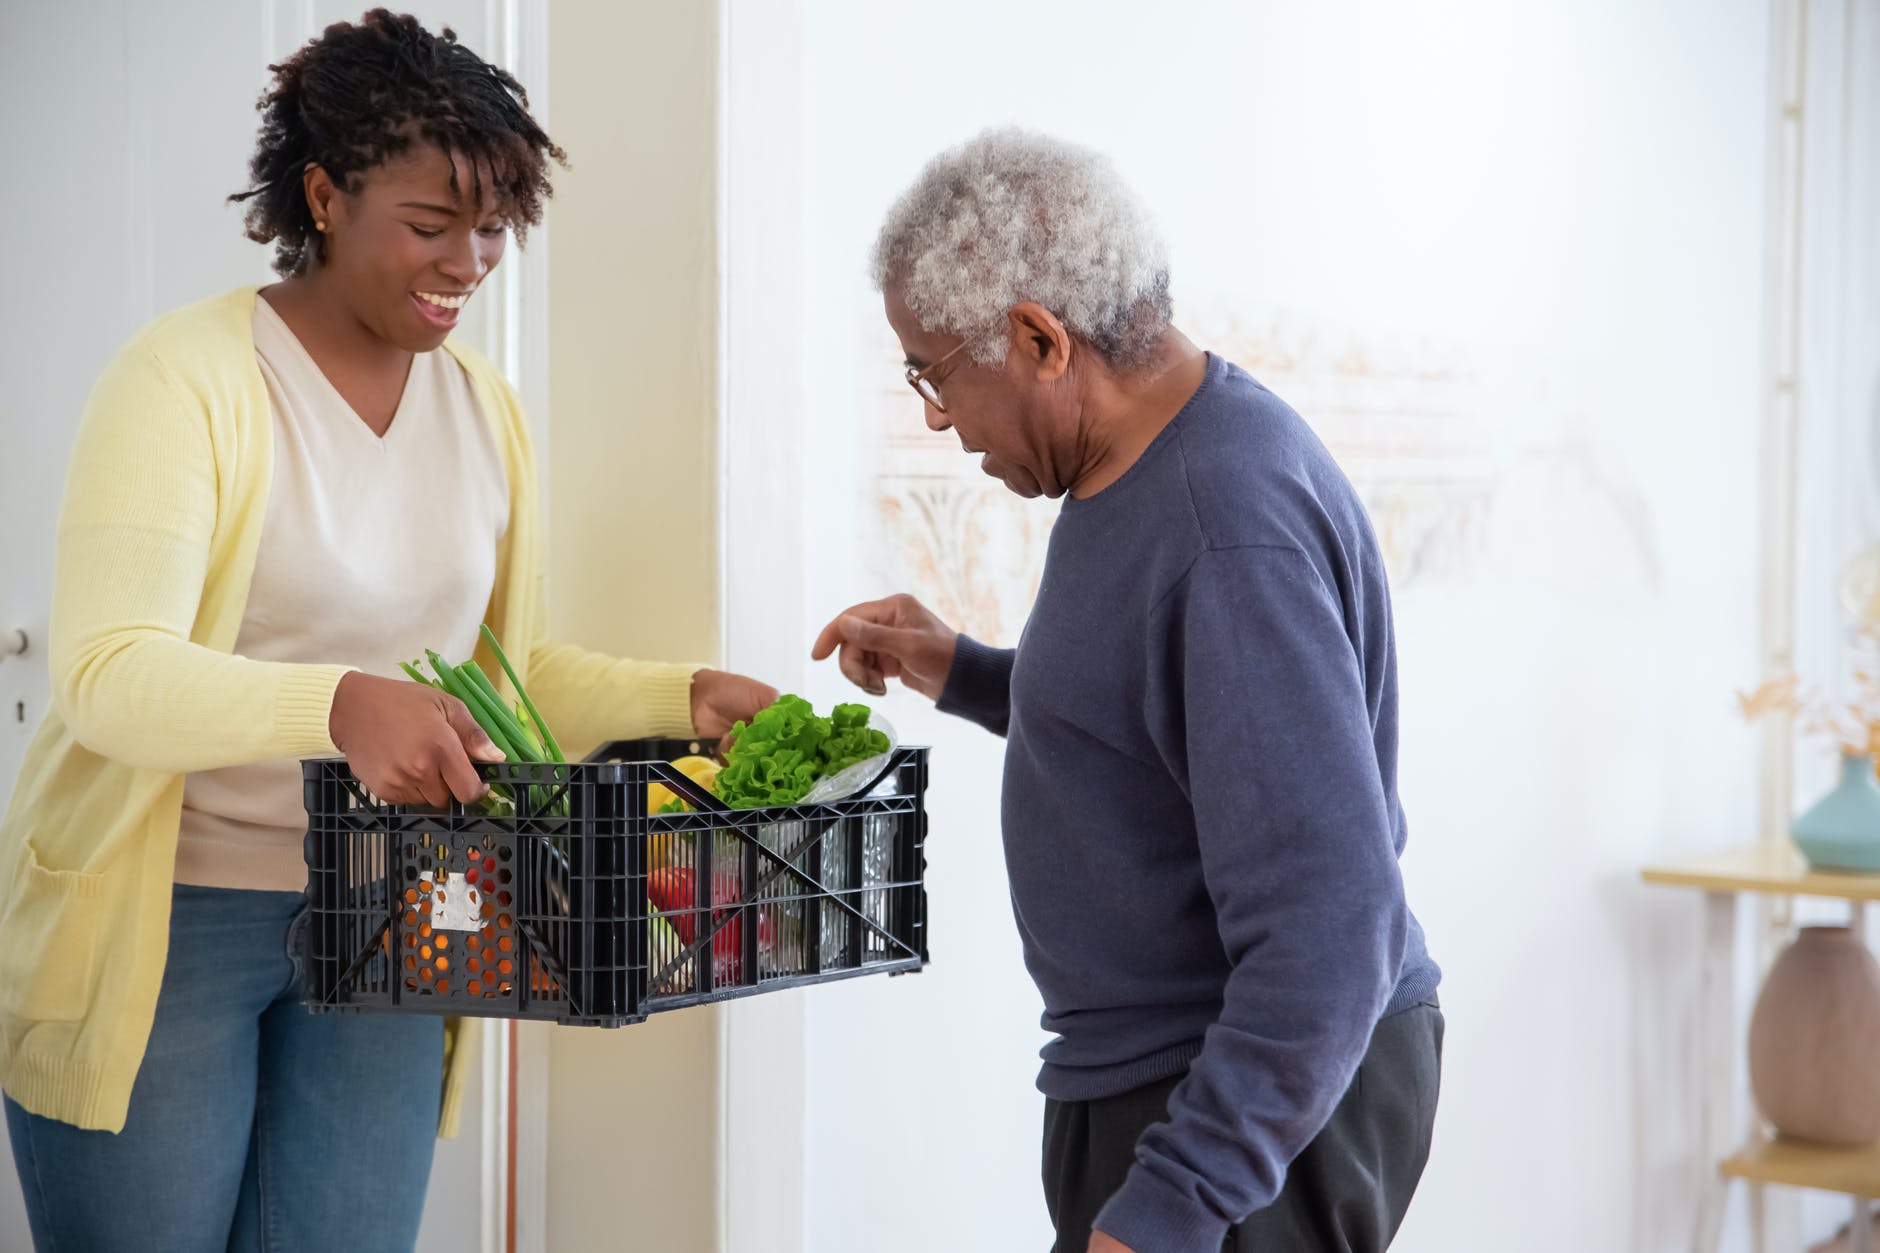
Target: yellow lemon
(701, 770)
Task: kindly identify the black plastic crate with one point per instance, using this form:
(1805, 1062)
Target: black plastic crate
(546, 911)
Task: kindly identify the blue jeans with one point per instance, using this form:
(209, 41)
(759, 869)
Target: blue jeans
(254, 1125)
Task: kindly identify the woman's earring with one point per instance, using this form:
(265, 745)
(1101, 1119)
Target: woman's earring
(320, 226)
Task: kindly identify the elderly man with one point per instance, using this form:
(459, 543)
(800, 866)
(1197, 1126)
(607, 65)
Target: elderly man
(1200, 806)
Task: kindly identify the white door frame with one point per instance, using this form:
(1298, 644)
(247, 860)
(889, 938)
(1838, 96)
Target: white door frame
(762, 1073)
(514, 1058)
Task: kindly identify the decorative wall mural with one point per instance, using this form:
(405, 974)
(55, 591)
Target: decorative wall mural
(1409, 419)
(949, 534)
(1402, 417)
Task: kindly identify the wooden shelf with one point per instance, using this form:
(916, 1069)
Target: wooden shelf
(1775, 871)
(1853, 1172)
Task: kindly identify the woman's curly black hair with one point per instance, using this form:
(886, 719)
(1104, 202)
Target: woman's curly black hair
(363, 93)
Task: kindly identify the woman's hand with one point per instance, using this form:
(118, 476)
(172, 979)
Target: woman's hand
(896, 638)
(719, 700)
(408, 742)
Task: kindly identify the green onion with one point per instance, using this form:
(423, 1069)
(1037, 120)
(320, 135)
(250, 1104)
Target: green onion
(463, 690)
(418, 674)
(519, 731)
(489, 705)
(535, 715)
(535, 736)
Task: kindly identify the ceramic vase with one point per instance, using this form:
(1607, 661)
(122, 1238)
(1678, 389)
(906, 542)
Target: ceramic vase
(1841, 831)
(1814, 1040)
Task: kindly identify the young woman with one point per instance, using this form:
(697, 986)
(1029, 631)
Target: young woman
(275, 497)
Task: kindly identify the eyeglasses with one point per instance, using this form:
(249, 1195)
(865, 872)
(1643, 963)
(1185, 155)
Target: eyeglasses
(921, 379)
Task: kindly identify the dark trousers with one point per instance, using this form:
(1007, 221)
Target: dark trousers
(1346, 1193)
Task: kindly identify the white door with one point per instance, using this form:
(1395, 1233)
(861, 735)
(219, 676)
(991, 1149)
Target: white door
(126, 124)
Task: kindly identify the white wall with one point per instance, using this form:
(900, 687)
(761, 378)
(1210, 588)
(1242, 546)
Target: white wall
(1508, 260)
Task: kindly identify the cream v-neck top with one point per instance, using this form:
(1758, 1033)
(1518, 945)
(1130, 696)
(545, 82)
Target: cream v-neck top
(373, 549)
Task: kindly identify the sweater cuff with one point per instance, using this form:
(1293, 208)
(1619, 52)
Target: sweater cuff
(303, 709)
(979, 684)
(664, 690)
(1151, 1216)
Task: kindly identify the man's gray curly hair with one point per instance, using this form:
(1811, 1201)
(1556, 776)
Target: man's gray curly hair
(1014, 215)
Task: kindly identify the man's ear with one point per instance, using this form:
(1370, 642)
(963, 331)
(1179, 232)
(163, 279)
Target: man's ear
(1043, 342)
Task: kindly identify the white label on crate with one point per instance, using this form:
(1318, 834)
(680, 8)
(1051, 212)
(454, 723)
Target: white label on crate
(455, 905)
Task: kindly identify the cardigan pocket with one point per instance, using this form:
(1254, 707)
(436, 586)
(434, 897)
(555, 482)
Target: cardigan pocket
(48, 938)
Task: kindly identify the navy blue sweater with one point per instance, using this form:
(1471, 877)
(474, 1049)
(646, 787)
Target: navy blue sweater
(1200, 804)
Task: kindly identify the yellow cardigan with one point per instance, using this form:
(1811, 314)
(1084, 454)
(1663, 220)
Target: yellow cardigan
(163, 508)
